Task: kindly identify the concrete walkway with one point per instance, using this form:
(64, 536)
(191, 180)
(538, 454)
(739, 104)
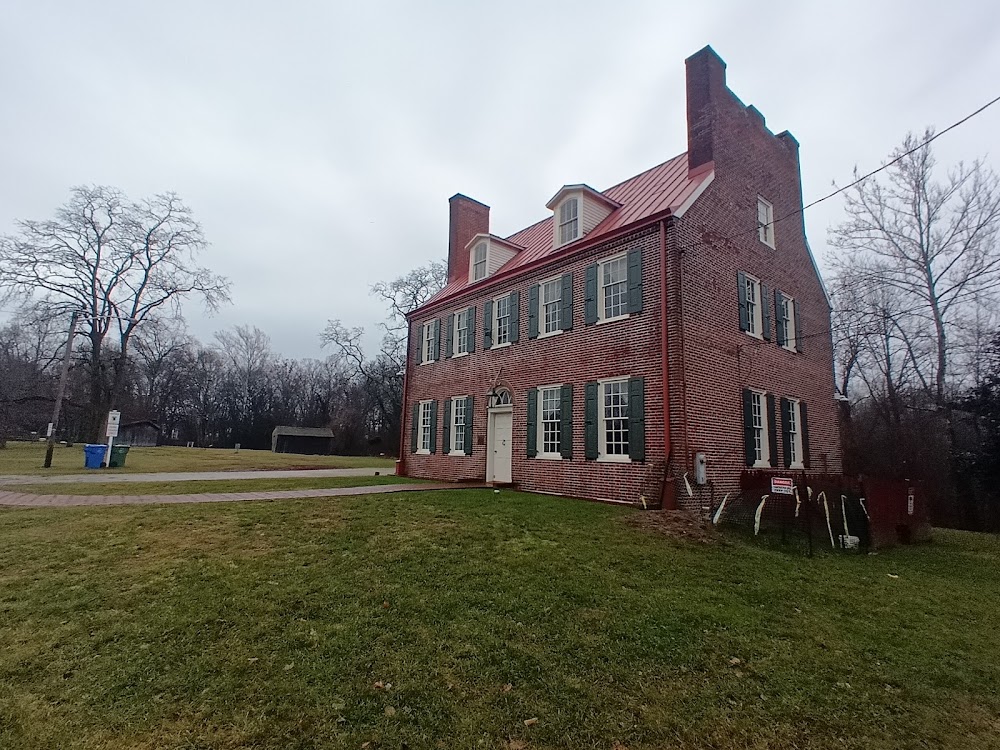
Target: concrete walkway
(99, 476)
(24, 500)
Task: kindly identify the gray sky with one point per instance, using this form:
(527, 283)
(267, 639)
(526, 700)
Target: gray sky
(318, 142)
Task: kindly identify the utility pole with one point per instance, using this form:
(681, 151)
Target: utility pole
(62, 389)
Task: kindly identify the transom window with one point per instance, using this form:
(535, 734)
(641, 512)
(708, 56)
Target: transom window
(425, 426)
(613, 280)
(550, 422)
(461, 338)
(502, 397)
(479, 262)
(569, 222)
(765, 222)
(551, 299)
(457, 425)
(427, 345)
(501, 321)
(614, 418)
(758, 424)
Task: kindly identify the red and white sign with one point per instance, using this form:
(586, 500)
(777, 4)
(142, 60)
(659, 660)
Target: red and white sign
(782, 486)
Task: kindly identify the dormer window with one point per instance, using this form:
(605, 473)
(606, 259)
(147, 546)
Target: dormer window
(569, 221)
(479, 262)
(576, 210)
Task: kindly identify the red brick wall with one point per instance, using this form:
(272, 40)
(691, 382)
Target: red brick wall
(587, 352)
(713, 241)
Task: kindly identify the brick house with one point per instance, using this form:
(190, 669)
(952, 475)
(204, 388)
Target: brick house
(650, 341)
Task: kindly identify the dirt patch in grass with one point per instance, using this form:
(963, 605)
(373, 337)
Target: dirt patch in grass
(680, 524)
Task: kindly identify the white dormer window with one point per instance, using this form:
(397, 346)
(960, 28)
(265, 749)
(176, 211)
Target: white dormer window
(479, 262)
(569, 220)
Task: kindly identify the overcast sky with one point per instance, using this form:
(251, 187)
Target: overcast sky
(318, 142)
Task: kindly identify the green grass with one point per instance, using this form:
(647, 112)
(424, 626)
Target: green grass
(27, 458)
(191, 487)
(271, 625)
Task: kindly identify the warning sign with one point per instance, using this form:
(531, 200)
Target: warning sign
(782, 486)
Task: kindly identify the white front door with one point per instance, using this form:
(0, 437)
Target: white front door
(500, 447)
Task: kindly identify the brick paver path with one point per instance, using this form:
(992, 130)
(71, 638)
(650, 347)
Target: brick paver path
(23, 499)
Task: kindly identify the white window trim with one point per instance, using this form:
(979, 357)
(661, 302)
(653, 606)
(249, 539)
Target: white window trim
(790, 339)
(549, 335)
(758, 316)
(765, 440)
(455, 337)
(799, 463)
(600, 289)
(496, 323)
(427, 337)
(540, 427)
(557, 217)
(602, 445)
(769, 225)
(420, 427)
(541, 307)
(452, 451)
(472, 262)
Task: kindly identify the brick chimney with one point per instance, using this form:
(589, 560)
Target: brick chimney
(467, 218)
(706, 84)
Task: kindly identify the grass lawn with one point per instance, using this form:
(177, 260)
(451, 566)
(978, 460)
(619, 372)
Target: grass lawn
(27, 458)
(450, 619)
(191, 487)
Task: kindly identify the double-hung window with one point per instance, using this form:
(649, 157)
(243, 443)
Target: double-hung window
(787, 314)
(549, 421)
(426, 423)
(613, 288)
(479, 262)
(753, 305)
(614, 424)
(551, 301)
(458, 407)
(427, 342)
(757, 428)
(569, 220)
(460, 343)
(501, 320)
(795, 433)
(765, 222)
(755, 314)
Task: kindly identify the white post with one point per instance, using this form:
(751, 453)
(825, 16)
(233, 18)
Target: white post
(114, 418)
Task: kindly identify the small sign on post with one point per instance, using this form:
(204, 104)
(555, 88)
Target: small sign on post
(782, 486)
(114, 420)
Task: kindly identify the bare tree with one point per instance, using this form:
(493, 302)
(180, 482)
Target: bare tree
(934, 242)
(116, 261)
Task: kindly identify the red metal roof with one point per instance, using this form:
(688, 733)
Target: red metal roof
(663, 188)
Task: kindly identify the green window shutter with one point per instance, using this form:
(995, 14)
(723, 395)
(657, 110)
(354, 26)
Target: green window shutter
(487, 324)
(590, 421)
(470, 332)
(786, 434)
(779, 317)
(765, 311)
(804, 430)
(415, 429)
(566, 303)
(772, 430)
(468, 426)
(634, 281)
(636, 419)
(434, 425)
(449, 339)
(741, 283)
(446, 427)
(420, 343)
(798, 326)
(566, 421)
(590, 295)
(437, 339)
(748, 441)
(515, 316)
(532, 423)
(533, 312)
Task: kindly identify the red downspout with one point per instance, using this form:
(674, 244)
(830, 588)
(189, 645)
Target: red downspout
(401, 463)
(665, 364)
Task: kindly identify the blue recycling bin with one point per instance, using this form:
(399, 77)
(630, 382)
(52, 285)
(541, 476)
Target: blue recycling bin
(93, 456)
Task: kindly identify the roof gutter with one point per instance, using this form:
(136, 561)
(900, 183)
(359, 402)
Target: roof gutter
(584, 244)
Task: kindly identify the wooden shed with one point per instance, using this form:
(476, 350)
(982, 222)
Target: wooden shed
(308, 440)
(144, 433)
